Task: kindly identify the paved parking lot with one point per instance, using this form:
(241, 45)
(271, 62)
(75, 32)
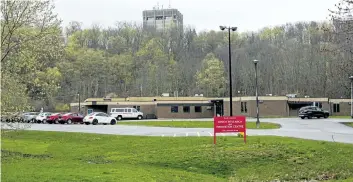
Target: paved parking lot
(315, 129)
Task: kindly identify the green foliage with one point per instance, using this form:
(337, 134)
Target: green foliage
(93, 157)
(61, 107)
(13, 94)
(127, 60)
(211, 77)
(197, 124)
(31, 46)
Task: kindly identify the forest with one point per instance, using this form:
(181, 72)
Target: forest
(46, 64)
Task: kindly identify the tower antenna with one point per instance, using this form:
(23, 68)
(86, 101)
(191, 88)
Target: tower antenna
(169, 5)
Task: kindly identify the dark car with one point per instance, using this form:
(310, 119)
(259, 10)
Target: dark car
(71, 118)
(312, 111)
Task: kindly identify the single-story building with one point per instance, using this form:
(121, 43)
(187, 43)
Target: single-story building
(203, 107)
(340, 107)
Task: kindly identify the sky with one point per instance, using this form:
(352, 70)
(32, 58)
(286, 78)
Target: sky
(203, 15)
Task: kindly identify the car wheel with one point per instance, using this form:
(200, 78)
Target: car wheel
(44, 121)
(87, 123)
(139, 117)
(113, 122)
(302, 117)
(326, 116)
(95, 122)
(119, 118)
(69, 121)
(33, 120)
(309, 117)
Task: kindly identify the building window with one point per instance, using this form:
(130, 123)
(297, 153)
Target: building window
(336, 107)
(174, 109)
(318, 104)
(243, 107)
(198, 109)
(137, 107)
(186, 109)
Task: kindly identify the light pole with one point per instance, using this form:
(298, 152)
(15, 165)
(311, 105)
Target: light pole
(230, 67)
(351, 78)
(257, 96)
(79, 103)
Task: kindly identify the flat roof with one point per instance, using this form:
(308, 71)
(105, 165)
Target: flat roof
(199, 99)
(340, 100)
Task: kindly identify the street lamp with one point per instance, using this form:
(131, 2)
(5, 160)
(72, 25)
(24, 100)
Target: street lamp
(230, 67)
(257, 96)
(351, 78)
(79, 103)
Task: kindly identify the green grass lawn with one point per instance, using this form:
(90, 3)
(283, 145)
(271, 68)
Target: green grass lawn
(349, 124)
(341, 117)
(196, 124)
(59, 156)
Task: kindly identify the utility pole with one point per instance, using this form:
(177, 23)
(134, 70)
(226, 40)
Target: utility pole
(79, 103)
(257, 96)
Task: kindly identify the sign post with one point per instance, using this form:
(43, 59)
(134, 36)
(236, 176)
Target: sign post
(229, 124)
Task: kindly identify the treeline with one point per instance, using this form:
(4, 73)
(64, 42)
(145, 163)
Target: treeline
(45, 64)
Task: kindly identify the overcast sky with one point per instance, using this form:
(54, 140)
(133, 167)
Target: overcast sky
(248, 15)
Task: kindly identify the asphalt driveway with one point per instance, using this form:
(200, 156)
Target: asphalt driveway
(315, 129)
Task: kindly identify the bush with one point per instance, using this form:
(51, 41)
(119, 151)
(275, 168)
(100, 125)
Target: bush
(60, 107)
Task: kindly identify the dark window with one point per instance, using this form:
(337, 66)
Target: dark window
(336, 107)
(318, 104)
(137, 108)
(243, 107)
(186, 109)
(198, 109)
(119, 110)
(174, 109)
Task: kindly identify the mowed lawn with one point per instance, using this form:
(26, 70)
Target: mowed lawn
(59, 156)
(196, 124)
(348, 124)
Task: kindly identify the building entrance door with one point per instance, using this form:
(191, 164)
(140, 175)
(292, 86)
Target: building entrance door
(218, 107)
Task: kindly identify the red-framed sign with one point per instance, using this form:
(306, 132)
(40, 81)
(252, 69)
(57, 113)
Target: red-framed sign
(229, 124)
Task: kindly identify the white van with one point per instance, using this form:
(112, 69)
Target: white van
(126, 113)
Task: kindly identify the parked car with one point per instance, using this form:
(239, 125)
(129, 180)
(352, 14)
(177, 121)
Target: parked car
(54, 118)
(71, 118)
(126, 113)
(313, 111)
(42, 117)
(30, 117)
(99, 117)
(11, 117)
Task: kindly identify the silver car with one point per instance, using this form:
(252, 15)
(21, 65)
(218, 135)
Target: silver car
(29, 117)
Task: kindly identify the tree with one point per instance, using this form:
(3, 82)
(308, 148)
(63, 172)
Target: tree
(31, 44)
(342, 20)
(17, 15)
(211, 77)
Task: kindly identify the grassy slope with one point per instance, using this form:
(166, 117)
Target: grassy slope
(196, 124)
(59, 156)
(349, 124)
